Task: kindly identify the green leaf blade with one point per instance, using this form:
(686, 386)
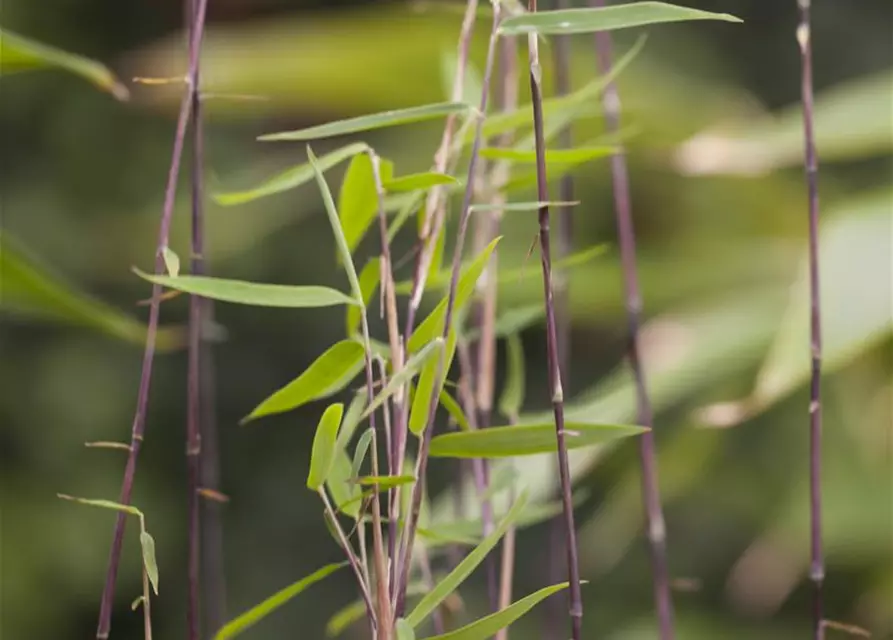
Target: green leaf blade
(418, 182)
(370, 278)
(407, 373)
(325, 441)
(358, 198)
(147, 545)
(512, 398)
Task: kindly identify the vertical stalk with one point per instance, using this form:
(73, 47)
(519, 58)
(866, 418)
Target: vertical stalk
(142, 403)
(626, 234)
(811, 167)
(557, 393)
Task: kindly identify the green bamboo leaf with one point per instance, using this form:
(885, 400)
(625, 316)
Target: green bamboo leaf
(575, 156)
(524, 440)
(514, 321)
(418, 182)
(171, 261)
(439, 244)
(432, 326)
(355, 611)
(454, 409)
(252, 293)
(405, 375)
(147, 544)
(359, 454)
(353, 417)
(370, 277)
(27, 290)
(329, 374)
(418, 415)
(344, 494)
(358, 197)
(473, 81)
(404, 630)
(324, 446)
(384, 482)
(519, 206)
(457, 576)
(370, 122)
(636, 14)
(488, 626)
(512, 398)
(19, 53)
(291, 178)
(268, 606)
(104, 504)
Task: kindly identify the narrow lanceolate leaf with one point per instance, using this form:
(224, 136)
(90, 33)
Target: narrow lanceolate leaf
(524, 440)
(171, 261)
(19, 53)
(324, 446)
(268, 606)
(418, 182)
(370, 278)
(553, 156)
(457, 576)
(520, 206)
(104, 504)
(488, 626)
(407, 373)
(359, 454)
(352, 418)
(513, 393)
(252, 293)
(358, 198)
(370, 122)
(147, 544)
(432, 326)
(434, 372)
(384, 482)
(291, 178)
(454, 409)
(623, 16)
(30, 291)
(404, 630)
(329, 374)
(344, 494)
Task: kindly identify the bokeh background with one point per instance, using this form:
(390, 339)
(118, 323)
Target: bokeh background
(721, 220)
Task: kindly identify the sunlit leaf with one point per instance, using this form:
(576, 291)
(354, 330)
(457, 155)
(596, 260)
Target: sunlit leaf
(370, 122)
(557, 156)
(486, 627)
(434, 372)
(329, 374)
(588, 20)
(404, 630)
(324, 446)
(29, 291)
(384, 482)
(358, 198)
(369, 280)
(291, 178)
(19, 53)
(432, 326)
(523, 440)
(512, 397)
(147, 544)
(407, 373)
(466, 566)
(418, 182)
(252, 293)
(265, 608)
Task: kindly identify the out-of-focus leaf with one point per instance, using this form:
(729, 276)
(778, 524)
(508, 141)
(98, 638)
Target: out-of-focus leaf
(588, 20)
(407, 373)
(370, 122)
(573, 156)
(358, 198)
(457, 576)
(369, 280)
(291, 178)
(524, 440)
(439, 247)
(519, 206)
(513, 321)
(486, 627)
(473, 82)
(19, 53)
(513, 392)
(432, 326)
(29, 291)
(328, 374)
(265, 608)
(454, 409)
(404, 630)
(252, 293)
(433, 372)
(355, 611)
(147, 544)
(105, 504)
(171, 262)
(418, 182)
(384, 482)
(852, 121)
(324, 446)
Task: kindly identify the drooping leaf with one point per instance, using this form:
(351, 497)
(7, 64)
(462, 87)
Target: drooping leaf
(407, 373)
(454, 409)
(268, 606)
(344, 494)
(104, 504)
(147, 544)
(404, 630)
(252, 293)
(29, 291)
(486, 627)
(329, 374)
(19, 53)
(576, 155)
(171, 262)
(352, 418)
(369, 281)
(418, 182)
(370, 122)
(291, 178)
(524, 440)
(324, 446)
(358, 198)
(359, 454)
(384, 482)
(457, 576)
(512, 398)
(588, 20)
(432, 326)
(520, 206)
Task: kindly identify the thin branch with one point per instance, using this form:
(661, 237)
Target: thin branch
(811, 166)
(626, 233)
(422, 461)
(139, 420)
(554, 368)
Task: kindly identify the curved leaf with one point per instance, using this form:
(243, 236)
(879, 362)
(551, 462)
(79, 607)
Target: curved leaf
(407, 373)
(147, 545)
(418, 415)
(358, 198)
(325, 441)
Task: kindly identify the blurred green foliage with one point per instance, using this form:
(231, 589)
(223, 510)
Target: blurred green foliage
(721, 217)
